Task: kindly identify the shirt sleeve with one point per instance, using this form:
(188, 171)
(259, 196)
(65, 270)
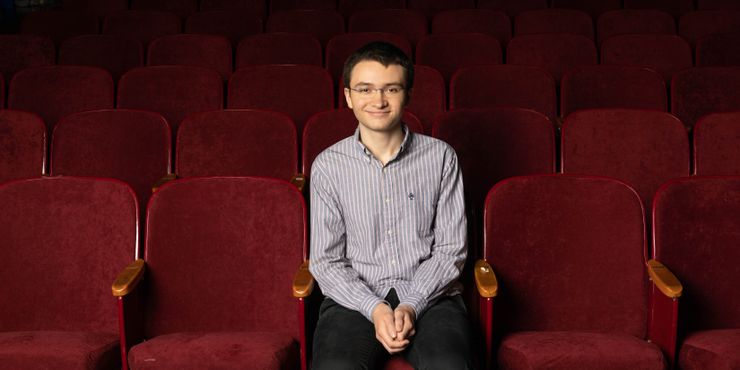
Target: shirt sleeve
(443, 268)
(329, 265)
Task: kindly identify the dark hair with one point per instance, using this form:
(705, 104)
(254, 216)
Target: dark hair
(385, 54)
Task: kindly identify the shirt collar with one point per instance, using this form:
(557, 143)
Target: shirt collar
(367, 155)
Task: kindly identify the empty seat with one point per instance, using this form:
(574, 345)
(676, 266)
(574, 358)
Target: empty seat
(143, 25)
(541, 21)
(279, 48)
(21, 51)
(210, 51)
(172, 91)
(449, 52)
(717, 144)
(557, 53)
(717, 5)
(350, 7)
(630, 21)
(696, 92)
(277, 6)
(592, 7)
(55, 91)
(97, 7)
(512, 7)
(492, 22)
(718, 50)
(504, 85)
(674, 7)
(253, 7)
(340, 47)
(297, 90)
(612, 87)
(22, 145)
(694, 25)
(410, 24)
(642, 148)
(59, 24)
(2, 91)
(114, 53)
(665, 54)
(322, 24)
(432, 7)
(64, 239)
(182, 8)
(233, 24)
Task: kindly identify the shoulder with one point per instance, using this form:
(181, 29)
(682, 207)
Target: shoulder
(427, 145)
(334, 156)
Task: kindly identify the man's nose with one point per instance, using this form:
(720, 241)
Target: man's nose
(379, 98)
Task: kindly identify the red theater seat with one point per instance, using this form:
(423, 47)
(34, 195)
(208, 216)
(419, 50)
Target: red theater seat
(143, 25)
(350, 7)
(59, 24)
(665, 54)
(279, 48)
(286, 5)
(255, 7)
(699, 91)
(97, 7)
(449, 52)
(694, 25)
(340, 47)
(512, 7)
(631, 21)
(432, 7)
(570, 21)
(717, 5)
(322, 24)
(557, 53)
(233, 24)
(410, 24)
(717, 144)
(488, 21)
(22, 51)
(592, 7)
(22, 145)
(209, 51)
(182, 8)
(2, 91)
(674, 7)
(718, 50)
(115, 53)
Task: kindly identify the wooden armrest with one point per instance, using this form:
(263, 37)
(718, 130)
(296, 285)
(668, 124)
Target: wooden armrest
(299, 180)
(303, 282)
(159, 183)
(128, 278)
(664, 279)
(485, 279)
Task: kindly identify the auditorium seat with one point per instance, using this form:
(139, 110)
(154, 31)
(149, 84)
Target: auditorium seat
(640, 147)
(504, 85)
(340, 47)
(556, 53)
(279, 48)
(431, 7)
(216, 292)
(592, 7)
(322, 24)
(674, 7)
(22, 145)
(22, 51)
(277, 6)
(253, 7)
(59, 24)
(698, 91)
(2, 91)
(717, 5)
(350, 7)
(696, 239)
(694, 25)
(448, 52)
(718, 50)
(233, 24)
(114, 53)
(612, 87)
(512, 7)
(63, 240)
(55, 91)
(541, 21)
(665, 54)
(209, 51)
(491, 22)
(297, 90)
(97, 7)
(182, 8)
(143, 25)
(717, 144)
(410, 24)
(568, 253)
(172, 91)
(631, 21)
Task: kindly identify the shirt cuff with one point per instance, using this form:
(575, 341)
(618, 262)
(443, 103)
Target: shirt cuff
(368, 305)
(417, 302)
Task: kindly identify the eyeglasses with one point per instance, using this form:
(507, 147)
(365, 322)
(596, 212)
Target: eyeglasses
(389, 91)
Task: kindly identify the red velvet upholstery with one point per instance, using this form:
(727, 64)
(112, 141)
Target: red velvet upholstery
(233, 24)
(59, 24)
(340, 47)
(63, 239)
(55, 91)
(612, 87)
(282, 5)
(182, 8)
(256, 7)
(592, 7)
(2, 91)
(432, 7)
(674, 7)
(410, 24)
(642, 148)
(97, 7)
(22, 145)
(633, 21)
(143, 25)
(129, 145)
(297, 90)
(699, 91)
(322, 24)
(557, 53)
(449, 52)
(666, 54)
(718, 50)
(492, 22)
(208, 51)
(717, 144)
(512, 7)
(717, 5)
(350, 7)
(22, 51)
(172, 91)
(279, 48)
(540, 21)
(504, 85)
(115, 53)
(695, 234)
(695, 25)
(237, 143)
(569, 255)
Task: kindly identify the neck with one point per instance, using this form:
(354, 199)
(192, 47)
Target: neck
(383, 144)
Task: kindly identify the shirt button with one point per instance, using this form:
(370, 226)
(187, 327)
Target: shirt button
(390, 232)
(393, 262)
(387, 200)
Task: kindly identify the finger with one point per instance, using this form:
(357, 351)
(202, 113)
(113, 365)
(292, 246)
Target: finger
(407, 327)
(390, 328)
(399, 318)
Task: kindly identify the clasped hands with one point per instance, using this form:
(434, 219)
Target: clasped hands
(394, 328)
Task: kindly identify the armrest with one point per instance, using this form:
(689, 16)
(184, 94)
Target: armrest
(485, 279)
(664, 279)
(128, 279)
(159, 183)
(299, 180)
(303, 282)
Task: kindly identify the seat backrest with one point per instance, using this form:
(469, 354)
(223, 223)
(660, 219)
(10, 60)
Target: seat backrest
(718, 50)
(22, 51)
(557, 53)
(172, 91)
(64, 240)
(237, 143)
(410, 24)
(255, 7)
(233, 24)
(22, 145)
(59, 24)
(717, 5)
(321, 24)
(97, 7)
(698, 91)
(512, 7)
(2, 91)
(209, 51)
(612, 87)
(349, 7)
(279, 48)
(449, 52)
(491, 22)
(632, 21)
(432, 7)
(540, 21)
(717, 144)
(504, 85)
(143, 25)
(695, 233)
(115, 53)
(340, 47)
(568, 253)
(55, 91)
(640, 147)
(666, 54)
(694, 25)
(593, 7)
(285, 5)
(182, 8)
(674, 7)
(239, 239)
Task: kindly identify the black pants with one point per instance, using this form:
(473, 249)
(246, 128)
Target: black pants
(345, 339)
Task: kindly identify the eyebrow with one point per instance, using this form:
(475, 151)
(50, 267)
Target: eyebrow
(398, 84)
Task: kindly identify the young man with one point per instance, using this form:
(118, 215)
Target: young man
(388, 231)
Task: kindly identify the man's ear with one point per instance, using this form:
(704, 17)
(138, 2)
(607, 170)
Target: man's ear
(347, 98)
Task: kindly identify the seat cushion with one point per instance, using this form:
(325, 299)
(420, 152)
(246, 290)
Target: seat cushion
(32, 350)
(577, 350)
(229, 350)
(711, 349)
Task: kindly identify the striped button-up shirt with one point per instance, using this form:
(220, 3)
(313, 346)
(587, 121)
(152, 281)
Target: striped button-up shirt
(375, 227)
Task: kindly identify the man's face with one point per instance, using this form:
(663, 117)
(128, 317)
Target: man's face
(377, 95)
